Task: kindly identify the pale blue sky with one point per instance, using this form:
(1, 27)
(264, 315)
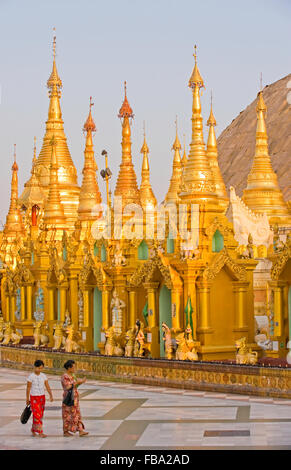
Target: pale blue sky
(148, 43)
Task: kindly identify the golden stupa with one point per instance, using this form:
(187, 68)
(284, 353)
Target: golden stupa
(263, 194)
(67, 173)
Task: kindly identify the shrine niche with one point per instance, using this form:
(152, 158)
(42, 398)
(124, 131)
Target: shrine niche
(95, 286)
(224, 306)
(280, 285)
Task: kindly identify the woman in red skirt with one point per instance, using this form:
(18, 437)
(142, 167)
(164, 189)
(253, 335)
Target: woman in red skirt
(35, 396)
(72, 419)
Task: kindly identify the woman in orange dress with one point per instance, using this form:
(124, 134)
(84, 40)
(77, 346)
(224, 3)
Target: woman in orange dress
(72, 419)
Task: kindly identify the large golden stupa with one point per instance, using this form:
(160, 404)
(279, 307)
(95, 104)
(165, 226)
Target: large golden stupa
(118, 280)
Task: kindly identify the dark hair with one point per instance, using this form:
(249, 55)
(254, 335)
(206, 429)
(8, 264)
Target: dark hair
(38, 363)
(69, 364)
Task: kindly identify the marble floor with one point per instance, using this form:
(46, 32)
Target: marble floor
(128, 417)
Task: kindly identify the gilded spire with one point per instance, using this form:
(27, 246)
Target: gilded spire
(263, 193)
(14, 224)
(54, 82)
(126, 185)
(196, 79)
(89, 125)
(125, 110)
(32, 193)
(67, 174)
(34, 152)
(147, 196)
(212, 154)
(177, 144)
(176, 179)
(184, 158)
(89, 194)
(198, 181)
(53, 209)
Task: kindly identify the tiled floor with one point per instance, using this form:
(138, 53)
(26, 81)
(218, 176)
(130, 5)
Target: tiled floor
(123, 416)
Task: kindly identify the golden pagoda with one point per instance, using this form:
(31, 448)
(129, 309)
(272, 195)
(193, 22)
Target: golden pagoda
(126, 185)
(263, 194)
(176, 179)
(198, 183)
(14, 225)
(32, 195)
(54, 216)
(147, 197)
(67, 174)
(90, 196)
(212, 154)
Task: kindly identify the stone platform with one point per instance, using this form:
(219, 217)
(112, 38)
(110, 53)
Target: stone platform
(206, 376)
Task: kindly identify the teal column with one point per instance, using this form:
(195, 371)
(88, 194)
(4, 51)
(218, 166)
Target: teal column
(165, 314)
(97, 317)
(103, 254)
(143, 251)
(170, 245)
(217, 242)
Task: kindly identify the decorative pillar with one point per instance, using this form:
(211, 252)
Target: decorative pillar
(132, 308)
(204, 306)
(63, 302)
(240, 291)
(120, 287)
(176, 294)
(87, 327)
(7, 302)
(22, 296)
(277, 288)
(105, 308)
(73, 305)
(12, 308)
(51, 304)
(86, 308)
(151, 288)
(29, 302)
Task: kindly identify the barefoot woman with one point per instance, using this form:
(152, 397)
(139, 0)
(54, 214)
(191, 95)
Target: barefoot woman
(72, 420)
(35, 396)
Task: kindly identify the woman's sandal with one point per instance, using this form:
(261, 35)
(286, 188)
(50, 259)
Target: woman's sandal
(83, 433)
(68, 434)
(42, 435)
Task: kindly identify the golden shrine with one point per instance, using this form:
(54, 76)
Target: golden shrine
(181, 281)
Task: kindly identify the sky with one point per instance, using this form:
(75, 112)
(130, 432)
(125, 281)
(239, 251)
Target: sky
(150, 45)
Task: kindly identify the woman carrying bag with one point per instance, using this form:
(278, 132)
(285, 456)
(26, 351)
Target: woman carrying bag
(72, 420)
(35, 397)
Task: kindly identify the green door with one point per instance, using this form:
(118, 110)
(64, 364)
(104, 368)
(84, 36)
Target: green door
(165, 314)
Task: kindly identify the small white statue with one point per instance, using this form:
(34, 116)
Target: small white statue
(188, 248)
(118, 258)
(116, 306)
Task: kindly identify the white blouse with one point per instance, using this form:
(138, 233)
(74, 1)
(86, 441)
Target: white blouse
(37, 381)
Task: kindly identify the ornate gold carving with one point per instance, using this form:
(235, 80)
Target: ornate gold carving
(56, 274)
(245, 356)
(281, 260)
(216, 224)
(223, 259)
(23, 275)
(40, 337)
